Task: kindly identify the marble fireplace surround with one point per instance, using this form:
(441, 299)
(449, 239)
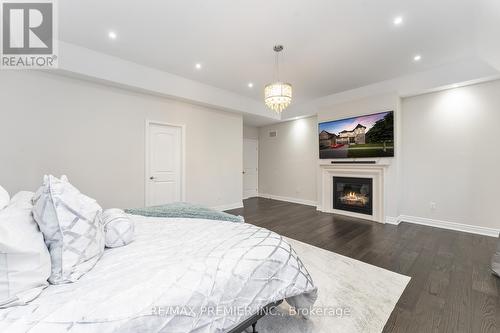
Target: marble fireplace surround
(374, 171)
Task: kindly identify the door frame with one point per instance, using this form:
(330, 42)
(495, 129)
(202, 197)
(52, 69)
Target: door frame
(243, 175)
(182, 127)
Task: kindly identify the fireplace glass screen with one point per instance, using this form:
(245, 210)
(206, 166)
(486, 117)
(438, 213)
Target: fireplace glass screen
(353, 194)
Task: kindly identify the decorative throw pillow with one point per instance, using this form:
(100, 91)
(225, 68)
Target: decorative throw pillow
(72, 228)
(24, 258)
(495, 262)
(4, 198)
(118, 227)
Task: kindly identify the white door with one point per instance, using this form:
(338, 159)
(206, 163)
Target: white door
(250, 168)
(163, 164)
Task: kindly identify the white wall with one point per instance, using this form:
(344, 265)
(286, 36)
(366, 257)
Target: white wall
(96, 135)
(250, 132)
(452, 155)
(287, 163)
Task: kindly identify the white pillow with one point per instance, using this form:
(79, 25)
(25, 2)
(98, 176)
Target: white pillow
(23, 198)
(72, 228)
(118, 227)
(4, 198)
(24, 258)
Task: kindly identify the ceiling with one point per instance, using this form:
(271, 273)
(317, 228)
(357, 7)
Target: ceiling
(330, 45)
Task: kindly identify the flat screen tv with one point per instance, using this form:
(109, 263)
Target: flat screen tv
(365, 136)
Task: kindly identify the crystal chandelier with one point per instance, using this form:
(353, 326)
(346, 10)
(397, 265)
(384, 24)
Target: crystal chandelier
(278, 95)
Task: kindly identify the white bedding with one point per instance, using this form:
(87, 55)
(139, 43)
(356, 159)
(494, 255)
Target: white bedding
(217, 274)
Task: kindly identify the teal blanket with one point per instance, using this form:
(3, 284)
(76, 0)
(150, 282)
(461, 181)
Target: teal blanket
(184, 210)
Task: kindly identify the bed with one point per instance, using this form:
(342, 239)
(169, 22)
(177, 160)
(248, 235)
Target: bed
(178, 275)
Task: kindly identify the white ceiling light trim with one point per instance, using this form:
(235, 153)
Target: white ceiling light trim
(74, 60)
(112, 35)
(417, 58)
(278, 95)
(398, 20)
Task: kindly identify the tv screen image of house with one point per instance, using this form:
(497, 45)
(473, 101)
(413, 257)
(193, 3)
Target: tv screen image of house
(365, 136)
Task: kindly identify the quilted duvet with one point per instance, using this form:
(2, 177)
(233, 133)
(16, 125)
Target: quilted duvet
(178, 275)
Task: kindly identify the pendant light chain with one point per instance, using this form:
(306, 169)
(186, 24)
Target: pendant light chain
(278, 66)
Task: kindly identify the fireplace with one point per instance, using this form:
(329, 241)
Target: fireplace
(353, 194)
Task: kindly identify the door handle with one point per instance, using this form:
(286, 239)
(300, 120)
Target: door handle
(152, 178)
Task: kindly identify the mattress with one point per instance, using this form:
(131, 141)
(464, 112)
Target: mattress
(178, 275)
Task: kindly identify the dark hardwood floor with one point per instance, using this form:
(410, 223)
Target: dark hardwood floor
(451, 290)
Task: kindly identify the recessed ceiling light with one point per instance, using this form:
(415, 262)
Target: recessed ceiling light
(197, 66)
(398, 20)
(417, 58)
(112, 35)
(250, 85)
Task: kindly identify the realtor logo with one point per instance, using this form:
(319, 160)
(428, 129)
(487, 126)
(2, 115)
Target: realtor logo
(28, 39)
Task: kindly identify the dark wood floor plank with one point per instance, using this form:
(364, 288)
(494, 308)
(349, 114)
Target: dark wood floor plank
(452, 288)
(486, 315)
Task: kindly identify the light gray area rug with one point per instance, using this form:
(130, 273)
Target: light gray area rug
(353, 296)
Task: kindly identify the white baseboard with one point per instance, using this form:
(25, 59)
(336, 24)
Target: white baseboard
(392, 220)
(289, 199)
(449, 225)
(228, 207)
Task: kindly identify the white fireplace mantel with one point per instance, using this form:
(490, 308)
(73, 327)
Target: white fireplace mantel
(374, 171)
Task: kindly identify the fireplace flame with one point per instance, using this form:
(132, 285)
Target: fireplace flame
(353, 198)
(352, 195)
